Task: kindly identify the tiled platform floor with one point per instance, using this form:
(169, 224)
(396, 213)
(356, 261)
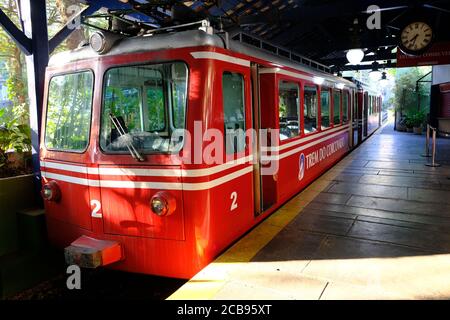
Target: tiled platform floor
(376, 226)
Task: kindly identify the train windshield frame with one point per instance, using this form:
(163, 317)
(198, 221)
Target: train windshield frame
(149, 103)
(69, 111)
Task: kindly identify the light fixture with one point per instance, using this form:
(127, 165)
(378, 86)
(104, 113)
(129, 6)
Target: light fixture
(319, 80)
(340, 86)
(375, 74)
(51, 192)
(355, 56)
(102, 41)
(163, 204)
(384, 81)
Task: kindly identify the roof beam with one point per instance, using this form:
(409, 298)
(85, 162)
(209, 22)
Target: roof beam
(68, 28)
(367, 66)
(368, 58)
(21, 40)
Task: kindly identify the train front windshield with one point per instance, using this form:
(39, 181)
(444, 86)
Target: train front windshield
(144, 105)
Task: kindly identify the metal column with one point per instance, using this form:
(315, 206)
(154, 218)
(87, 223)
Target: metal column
(34, 19)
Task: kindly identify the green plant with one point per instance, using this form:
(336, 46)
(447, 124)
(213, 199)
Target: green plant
(14, 135)
(414, 119)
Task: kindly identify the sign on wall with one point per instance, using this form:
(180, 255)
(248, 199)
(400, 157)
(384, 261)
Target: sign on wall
(439, 53)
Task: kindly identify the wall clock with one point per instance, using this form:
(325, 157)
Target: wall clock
(416, 38)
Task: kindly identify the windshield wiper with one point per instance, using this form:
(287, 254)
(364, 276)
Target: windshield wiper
(134, 153)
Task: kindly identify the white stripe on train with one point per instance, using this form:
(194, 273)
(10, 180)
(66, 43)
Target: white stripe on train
(179, 173)
(149, 185)
(308, 138)
(221, 57)
(294, 151)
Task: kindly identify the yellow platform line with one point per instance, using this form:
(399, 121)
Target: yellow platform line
(208, 282)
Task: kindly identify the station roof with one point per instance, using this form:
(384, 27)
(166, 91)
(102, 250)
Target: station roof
(322, 30)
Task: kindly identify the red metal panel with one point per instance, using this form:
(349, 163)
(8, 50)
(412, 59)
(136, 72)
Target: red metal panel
(126, 211)
(445, 105)
(74, 205)
(439, 53)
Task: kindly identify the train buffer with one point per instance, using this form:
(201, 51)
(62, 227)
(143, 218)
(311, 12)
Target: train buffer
(88, 252)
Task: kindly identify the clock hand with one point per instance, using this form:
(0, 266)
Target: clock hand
(413, 40)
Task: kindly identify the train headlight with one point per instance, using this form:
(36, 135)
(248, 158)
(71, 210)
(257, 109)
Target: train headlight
(102, 41)
(163, 204)
(51, 192)
(98, 42)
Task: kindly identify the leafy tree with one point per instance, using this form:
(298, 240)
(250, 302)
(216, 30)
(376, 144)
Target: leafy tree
(406, 96)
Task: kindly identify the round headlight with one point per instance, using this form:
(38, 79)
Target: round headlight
(163, 204)
(51, 192)
(98, 42)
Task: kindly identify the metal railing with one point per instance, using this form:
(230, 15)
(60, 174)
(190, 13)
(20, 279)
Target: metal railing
(279, 51)
(433, 147)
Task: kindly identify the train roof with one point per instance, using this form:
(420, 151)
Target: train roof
(184, 39)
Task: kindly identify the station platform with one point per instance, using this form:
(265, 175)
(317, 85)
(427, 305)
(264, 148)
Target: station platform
(375, 226)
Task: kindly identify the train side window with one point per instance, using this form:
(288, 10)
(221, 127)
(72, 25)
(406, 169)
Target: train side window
(310, 109)
(69, 111)
(336, 107)
(233, 111)
(325, 108)
(345, 100)
(288, 106)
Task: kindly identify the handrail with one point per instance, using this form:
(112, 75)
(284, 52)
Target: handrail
(261, 44)
(433, 163)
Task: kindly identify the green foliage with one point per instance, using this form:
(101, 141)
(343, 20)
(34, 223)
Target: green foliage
(414, 119)
(406, 95)
(14, 134)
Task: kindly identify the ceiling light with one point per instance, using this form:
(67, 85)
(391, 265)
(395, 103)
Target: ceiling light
(375, 74)
(355, 56)
(384, 81)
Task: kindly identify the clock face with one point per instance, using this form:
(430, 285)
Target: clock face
(416, 37)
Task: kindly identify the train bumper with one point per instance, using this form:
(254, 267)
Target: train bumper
(88, 252)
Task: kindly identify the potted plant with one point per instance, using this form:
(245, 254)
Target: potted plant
(409, 122)
(15, 145)
(417, 122)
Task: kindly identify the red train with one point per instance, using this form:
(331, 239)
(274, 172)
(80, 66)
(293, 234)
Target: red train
(134, 176)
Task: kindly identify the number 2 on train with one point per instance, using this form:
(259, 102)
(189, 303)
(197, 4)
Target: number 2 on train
(95, 211)
(233, 198)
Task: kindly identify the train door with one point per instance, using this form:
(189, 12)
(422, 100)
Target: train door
(359, 112)
(264, 185)
(65, 145)
(355, 119)
(366, 114)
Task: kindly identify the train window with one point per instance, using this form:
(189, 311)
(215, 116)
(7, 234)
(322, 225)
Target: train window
(325, 108)
(233, 111)
(142, 106)
(345, 108)
(154, 91)
(336, 107)
(310, 109)
(288, 109)
(69, 111)
(179, 92)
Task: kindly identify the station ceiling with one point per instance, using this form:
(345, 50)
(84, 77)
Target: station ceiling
(322, 30)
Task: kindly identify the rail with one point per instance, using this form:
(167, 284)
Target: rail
(433, 163)
(279, 51)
